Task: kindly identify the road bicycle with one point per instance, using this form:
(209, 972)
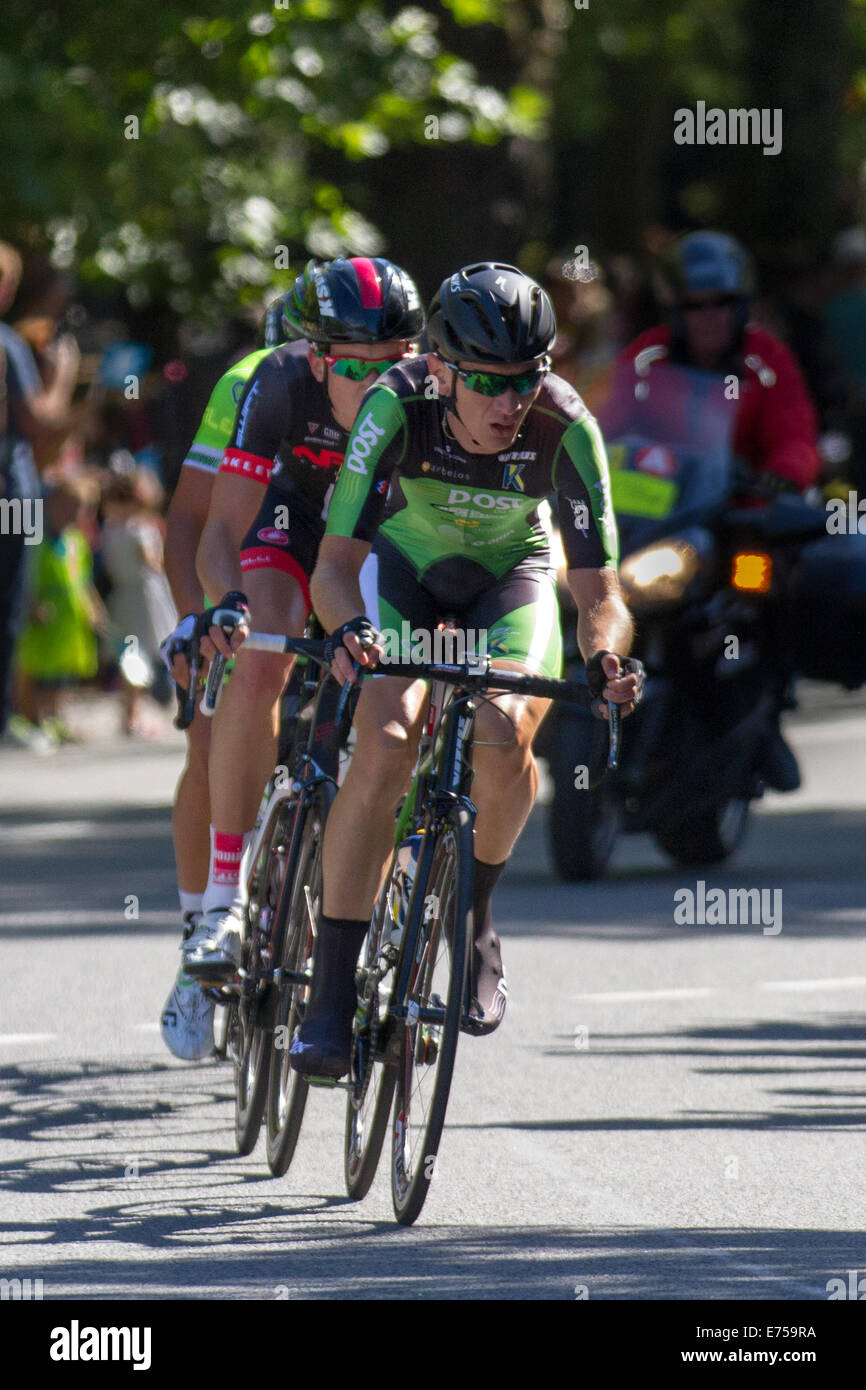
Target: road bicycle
(414, 977)
(283, 889)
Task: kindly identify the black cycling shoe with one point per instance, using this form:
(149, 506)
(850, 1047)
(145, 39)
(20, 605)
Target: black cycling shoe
(323, 1046)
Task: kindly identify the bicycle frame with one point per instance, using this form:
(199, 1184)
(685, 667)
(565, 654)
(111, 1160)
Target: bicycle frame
(442, 776)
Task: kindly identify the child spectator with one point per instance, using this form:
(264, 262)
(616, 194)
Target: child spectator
(58, 645)
(140, 606)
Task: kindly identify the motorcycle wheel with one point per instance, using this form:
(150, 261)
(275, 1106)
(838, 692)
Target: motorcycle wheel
(707, 839)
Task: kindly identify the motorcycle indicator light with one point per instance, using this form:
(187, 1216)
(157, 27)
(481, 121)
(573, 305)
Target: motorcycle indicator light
(752, 572)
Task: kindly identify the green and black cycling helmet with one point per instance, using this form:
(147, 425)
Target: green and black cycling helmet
(362, 299)
(281, 324)
(705, 261)
(492, 313)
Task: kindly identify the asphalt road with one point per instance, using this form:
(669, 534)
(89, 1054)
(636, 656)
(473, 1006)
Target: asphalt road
(669, 1112)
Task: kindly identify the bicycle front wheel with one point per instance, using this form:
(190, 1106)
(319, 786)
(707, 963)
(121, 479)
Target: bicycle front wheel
(287, 1089)
(433, 1004)
(372, 1077)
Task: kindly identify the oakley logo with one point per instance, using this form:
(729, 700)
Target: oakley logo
(364, 438)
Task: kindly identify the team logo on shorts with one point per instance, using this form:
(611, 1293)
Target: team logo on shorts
(271, 536)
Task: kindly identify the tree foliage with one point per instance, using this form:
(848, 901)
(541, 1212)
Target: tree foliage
(176, 152)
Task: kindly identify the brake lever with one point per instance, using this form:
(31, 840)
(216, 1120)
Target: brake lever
(186, 698)
(345, 692)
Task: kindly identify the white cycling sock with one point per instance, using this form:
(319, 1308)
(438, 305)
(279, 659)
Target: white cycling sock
(189, 902)
(224, 876)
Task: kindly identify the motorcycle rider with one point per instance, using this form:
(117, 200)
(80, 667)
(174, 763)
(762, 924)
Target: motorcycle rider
(710, 282)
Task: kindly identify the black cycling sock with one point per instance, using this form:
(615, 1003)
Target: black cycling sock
(337, 946)
(324, 1044)
(487, 956)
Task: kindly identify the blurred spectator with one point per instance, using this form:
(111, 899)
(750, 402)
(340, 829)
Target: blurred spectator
(845, 317)
(28, 409)
(139, 602)
(846, 311)
(58, 645)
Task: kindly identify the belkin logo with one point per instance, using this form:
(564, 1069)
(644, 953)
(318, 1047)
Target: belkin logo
(77, 1343)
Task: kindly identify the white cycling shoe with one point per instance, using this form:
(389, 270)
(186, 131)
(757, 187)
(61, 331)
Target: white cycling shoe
(187, 1023)
(212, 954)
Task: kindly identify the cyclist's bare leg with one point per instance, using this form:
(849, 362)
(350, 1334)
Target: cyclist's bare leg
(358, 839)
(246, 724)
(191, 815)
(506, 774)
(360, 832)
(504, 791)
(243, 749)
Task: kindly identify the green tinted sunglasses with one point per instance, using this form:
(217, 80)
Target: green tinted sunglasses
(358, 368)
(495, 383)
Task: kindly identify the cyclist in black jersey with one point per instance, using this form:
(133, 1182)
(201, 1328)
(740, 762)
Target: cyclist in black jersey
(445, 476)
(259, 545)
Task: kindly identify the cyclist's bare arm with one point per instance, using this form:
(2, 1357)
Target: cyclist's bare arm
(604, 624)
(336, 595)
(233, 508)
(185, 522)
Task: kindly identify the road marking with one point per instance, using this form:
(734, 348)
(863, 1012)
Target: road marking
(834, 982)
(26, 1037)
(628, 996)
(51, 830)
(83, 917)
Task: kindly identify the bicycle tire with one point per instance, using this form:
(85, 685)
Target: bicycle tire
(368, 1103)
(253, 1017)
(440, 958)
(286, 1090)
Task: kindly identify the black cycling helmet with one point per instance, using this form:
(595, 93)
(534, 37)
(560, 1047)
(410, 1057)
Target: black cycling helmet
(360, 300)
(493, 313)
(703, 261)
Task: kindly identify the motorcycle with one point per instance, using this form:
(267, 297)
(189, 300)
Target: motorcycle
(730, 600)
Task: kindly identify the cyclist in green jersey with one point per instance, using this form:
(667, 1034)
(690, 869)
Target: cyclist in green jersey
(188, 1015)
(445, 476)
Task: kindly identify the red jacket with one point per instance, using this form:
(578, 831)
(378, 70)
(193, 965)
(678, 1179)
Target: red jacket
(775, 424)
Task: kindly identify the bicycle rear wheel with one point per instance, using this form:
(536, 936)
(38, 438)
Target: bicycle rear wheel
(373, 1076)
(434, 1001)
(286, 1095)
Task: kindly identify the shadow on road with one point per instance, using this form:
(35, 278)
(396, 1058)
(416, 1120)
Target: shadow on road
(187, 1219)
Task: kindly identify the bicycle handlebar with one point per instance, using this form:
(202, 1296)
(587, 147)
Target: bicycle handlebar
(476, 676)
